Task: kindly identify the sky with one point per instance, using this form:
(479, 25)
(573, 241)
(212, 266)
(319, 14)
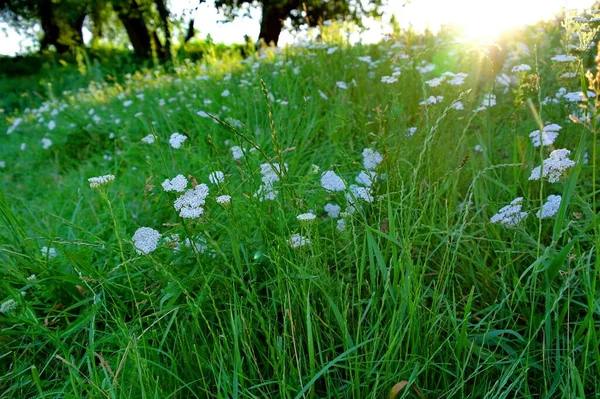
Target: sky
(482, 19)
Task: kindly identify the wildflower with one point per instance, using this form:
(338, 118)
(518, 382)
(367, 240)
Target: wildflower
(14, 125)
(333, 210)
(203, 114)
(51, 125)
(31, 278)
(8, 306)
(127, 103)
(371, 158)
(578, 96)
(331, 50)
(546, 137)
(97, 182)
(178, 184)
(388, 79)
(564, 58)
(225, 93)
(216, 177)
(189, 205)
(323, 95)
(237, 153)
(456, 79)
(550, 207)
(332, 182)
(341, 225)
(478, 148)
(23, 146)
(46, 143)
(553, 167)
(50, 253)
(568, 75)
(149, 139)
(520, 68)
(359, 193)
(223, 199)
(511, 214)
(434, 82)
(266, 192)
(411, 131)
(431, 100)
(297, 241)
(2, 164)
(458, 105)
(366, 178)
(341, 85)
(176, 140)
(145, 240)
(306, 217)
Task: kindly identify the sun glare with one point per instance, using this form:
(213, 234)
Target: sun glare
(481, 19)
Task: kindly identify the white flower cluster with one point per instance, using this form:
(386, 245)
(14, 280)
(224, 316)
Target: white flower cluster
(489, 100)
(564, 58)
(270, 173)
(371, 158)
(176, 140)
(554, 167)
(223, 199)
(46, 143)
(50, 253)
(97, 182)
(520, 68)
(546, 137)
(332, 182)
(333, 210)
(550, 207)
(511, 214)
(237, 153)
(297, 241)
(389, 79)
(178, 184)
(189, 205)
(149, 139)
(578, 96)
(306, 217)
(145, 240)
(431, 100)
(216, 177)
(8, 306)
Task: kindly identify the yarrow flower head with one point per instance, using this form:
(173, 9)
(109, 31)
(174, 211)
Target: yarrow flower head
(511, 214)
(189, 205)
(297, 241)
(550, 207)
(145, 240)
(149, 139)
(332, 182)
(48, 252)
(564, 58)
(520, 68)
(237, 152)
(8, 306)
(97, 182)
(546, 137)
(223, 199)
(333, 210)
(389, 79)
(306, 217)
(216, 177)
(554, 167)
(371, 158)
(178, 184)
(176, 140)
(46, 143)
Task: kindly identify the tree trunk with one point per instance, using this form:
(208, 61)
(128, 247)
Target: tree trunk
(50, 27)
(131, 16)
(271, 24)
(163, 12)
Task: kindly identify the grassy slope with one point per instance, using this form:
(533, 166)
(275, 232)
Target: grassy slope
(420, 287)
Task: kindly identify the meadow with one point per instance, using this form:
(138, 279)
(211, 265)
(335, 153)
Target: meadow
(412, 219)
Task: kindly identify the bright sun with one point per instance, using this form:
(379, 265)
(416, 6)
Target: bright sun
(480, 19)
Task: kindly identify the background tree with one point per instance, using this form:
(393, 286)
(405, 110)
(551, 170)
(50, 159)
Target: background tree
(300, 12)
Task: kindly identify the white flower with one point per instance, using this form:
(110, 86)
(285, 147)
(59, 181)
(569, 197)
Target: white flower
(341, 85)
(411, 131)
(550, 207)
(553, 167)
(23, 146)
(223, 199)
(216, 177)
(358, 193)
(366, 178)
(478, 148)
(51, 125)
(178, 184)
(332, 182)
(564, 58)
(306, 217)
(371, 158)
(46, 143)
(149, 139)
(434, 82)
(127, 103)
(14, 125)
(341, 225)
(2, 164)
(237, 153)
(511, 214)
(546, 137)
(388, 79)
(50, 253)
(456, 79)
(31, 278)
(458, 105)
(266, 192)
(333, 210)
(568, 75)
(96, 182)
(190, 203)
(145, 240)
(176, 140)
(297, 241)
(520, 68)
(270, 172)
(225, 93)
(323, 95)
(203, 114)
(432, 100)
(578, 96)
(331, 50)
(8, 306)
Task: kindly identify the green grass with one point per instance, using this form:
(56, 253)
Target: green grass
(420, 287)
